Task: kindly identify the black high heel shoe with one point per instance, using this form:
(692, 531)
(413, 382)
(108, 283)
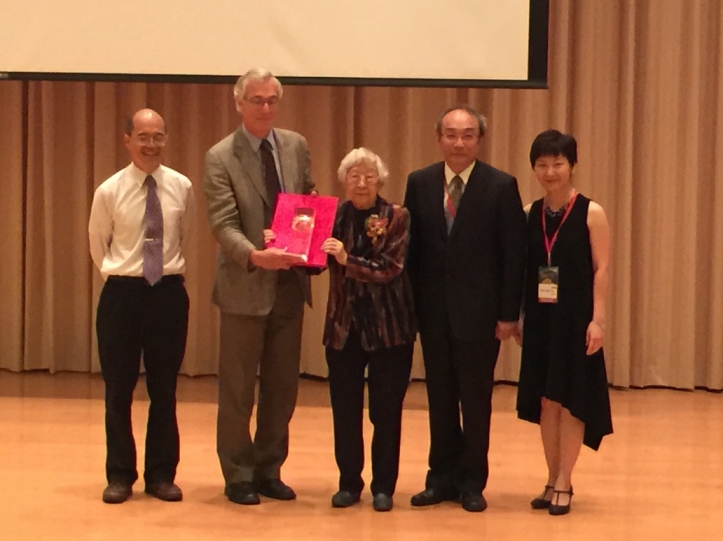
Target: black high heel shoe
(557, 510)
(540, 502)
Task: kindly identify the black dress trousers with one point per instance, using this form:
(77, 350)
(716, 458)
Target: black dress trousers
(388, 376)
(134, 321)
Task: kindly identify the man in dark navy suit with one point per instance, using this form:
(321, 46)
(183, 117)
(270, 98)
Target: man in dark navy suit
(466, 262)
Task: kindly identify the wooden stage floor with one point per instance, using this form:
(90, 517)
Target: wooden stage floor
(660, 476)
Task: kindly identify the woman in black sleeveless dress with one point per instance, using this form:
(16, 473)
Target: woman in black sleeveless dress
(563, 384)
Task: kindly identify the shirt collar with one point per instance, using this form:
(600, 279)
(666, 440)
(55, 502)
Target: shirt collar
(256, 142)
(140, 176)
(464, 175)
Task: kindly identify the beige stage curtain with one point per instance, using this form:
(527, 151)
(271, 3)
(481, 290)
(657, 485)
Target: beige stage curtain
(638, 82)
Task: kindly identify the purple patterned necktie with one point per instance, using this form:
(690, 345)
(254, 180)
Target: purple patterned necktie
(153, 238)
(271, 175)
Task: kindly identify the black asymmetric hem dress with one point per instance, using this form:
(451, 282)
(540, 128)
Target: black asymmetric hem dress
(554, 360)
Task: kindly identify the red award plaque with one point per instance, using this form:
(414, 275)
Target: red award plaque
(302, 223)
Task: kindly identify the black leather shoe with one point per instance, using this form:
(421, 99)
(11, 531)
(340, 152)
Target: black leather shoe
(242, 493)
(344, 498)
(276, 489)
(541, 502)
(555, 509)
(382, 502)
(473, 502)
(164, 490)
(117, 492)
(433, 496)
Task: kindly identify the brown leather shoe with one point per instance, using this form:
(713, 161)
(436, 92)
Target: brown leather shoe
(164, 490)
(117, 492)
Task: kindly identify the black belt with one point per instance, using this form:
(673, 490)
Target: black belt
(168, 279)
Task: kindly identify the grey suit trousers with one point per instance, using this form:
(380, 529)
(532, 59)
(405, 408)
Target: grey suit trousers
(269, 345)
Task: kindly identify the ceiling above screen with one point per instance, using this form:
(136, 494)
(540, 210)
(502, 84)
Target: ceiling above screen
(360, 42)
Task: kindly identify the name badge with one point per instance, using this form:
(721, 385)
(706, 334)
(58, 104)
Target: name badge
(548, 279)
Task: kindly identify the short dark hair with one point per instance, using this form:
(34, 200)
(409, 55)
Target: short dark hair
(554, 143)
(481, 120)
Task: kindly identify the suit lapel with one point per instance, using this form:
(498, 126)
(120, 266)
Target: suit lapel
(435, 189)
(250, 163)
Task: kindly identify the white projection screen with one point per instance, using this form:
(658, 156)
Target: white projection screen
(351, 42)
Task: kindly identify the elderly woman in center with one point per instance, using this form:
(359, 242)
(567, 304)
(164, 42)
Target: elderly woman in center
(369, 324)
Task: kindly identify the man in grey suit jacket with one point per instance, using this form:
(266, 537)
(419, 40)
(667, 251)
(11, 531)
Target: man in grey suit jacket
(259, 291)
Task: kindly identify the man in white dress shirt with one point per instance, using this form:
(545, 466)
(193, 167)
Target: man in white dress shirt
(139, 224)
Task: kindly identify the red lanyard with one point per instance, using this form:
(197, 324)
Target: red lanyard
(450, 205)
(549, 243)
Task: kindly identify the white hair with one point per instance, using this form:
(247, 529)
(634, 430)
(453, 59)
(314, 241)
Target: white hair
(362, 155)
(258, 75)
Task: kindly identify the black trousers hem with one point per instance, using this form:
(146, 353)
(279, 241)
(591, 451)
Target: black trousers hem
(388, 379)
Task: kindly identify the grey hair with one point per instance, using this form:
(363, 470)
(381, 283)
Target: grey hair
(255, 74)
(363, 155)
(481, 120)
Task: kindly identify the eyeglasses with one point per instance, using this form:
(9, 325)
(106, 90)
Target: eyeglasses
(259, 102)
(159, 139)
(368, 179)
